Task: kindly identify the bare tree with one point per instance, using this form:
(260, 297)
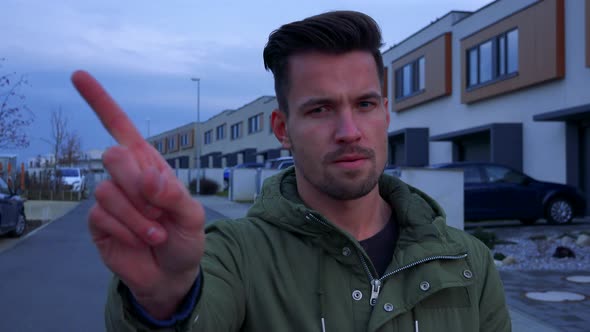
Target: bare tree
(15, 116)
(71, 150)
(59, 132)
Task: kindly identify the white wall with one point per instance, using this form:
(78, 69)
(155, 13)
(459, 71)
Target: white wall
(445, 186)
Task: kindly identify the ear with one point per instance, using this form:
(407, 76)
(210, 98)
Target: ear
(279, 127)
(386, 106)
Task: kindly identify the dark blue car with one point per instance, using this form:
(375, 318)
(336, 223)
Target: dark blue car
(495, 192)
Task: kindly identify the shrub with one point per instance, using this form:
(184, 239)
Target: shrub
(488, 238)
(499, 256)
(208, 186)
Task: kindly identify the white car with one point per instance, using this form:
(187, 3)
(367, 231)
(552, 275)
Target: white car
(72, 178)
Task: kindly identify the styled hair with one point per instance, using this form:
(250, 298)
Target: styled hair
(335, 32)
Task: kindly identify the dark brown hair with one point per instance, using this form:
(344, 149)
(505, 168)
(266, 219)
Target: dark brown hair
(334, 32)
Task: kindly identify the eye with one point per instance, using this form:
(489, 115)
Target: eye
(366, 105)
(317, 110)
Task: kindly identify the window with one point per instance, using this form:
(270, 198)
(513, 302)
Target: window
(410, 79)
(159, 146)
(255, 124)
(207, 137)
(184, 140)
(236, 131)
(220, 132)
(498, 174)
(171, 143)
(471, 175)
(493, 59)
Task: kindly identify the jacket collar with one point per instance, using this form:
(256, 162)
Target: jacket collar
(421, 219)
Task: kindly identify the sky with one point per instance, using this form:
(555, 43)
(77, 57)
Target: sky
(146, 52)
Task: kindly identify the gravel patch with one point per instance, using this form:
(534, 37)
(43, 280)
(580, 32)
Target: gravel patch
(534, 249)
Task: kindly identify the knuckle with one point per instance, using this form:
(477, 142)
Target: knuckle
(104, 191)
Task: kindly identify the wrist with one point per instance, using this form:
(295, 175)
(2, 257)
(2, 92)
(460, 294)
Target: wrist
(164, 303)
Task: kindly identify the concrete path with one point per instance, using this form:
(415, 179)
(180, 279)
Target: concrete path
(54, 280)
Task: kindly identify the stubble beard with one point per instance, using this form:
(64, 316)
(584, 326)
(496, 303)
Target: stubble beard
(346, 185)
(351, 187)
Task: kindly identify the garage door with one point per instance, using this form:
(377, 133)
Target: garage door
(474, 148)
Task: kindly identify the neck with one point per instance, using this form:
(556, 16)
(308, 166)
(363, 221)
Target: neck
(362, 217)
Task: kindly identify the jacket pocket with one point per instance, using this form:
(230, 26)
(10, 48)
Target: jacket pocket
(454, 297)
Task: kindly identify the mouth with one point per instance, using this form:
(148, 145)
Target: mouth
(351, 161)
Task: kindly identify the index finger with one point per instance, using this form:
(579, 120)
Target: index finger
(113, 118)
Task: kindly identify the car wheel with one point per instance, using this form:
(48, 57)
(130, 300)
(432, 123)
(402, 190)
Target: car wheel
(21, 226)
(528, 221)
(559, 211)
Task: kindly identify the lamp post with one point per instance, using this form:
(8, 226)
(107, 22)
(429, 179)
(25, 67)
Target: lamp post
(198, 140)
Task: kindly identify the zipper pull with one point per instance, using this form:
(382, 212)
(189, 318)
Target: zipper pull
(375, 288)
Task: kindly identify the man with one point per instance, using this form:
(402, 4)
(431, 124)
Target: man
(330, 245)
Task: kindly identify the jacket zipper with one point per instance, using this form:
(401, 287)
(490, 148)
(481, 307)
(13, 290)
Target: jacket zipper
(377, 282)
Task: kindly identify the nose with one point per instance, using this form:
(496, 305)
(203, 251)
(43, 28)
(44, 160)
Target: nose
(347, 130)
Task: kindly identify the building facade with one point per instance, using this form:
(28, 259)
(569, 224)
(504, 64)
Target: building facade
(505, 84)
(229, 138)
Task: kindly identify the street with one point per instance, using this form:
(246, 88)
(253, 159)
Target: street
(54, 280)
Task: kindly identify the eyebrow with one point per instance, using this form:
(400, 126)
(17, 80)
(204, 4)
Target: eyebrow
(314, 101)
(323, 100)
(370, 95)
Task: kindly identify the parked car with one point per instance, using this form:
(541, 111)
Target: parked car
(72, 178)
(227, 171)
(494, 192)
(12, 212)
(279, 163)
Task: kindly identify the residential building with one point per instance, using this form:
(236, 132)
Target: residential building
(177, 145)
(227, 139)
(506, 83)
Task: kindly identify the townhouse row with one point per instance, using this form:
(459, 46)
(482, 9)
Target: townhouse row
(508, 83)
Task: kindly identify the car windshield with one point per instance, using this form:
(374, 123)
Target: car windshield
(68, 172)
(503, 174)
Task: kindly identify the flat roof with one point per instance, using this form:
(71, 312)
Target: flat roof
(576, 113)
(459, 134)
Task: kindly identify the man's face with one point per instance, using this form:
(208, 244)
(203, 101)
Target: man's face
(337, 123)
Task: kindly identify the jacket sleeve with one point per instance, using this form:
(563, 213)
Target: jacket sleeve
(493, 310)
(221, 304)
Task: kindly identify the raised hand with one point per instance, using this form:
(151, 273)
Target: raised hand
(146, 226)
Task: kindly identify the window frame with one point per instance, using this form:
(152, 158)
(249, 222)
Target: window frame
(171, 143)
(255, 124)
(207, 137)
(499, 56)
(238, 135)
(217, 130)
(416, 87)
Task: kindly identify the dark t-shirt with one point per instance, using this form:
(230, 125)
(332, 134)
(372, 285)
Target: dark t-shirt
(380, 246)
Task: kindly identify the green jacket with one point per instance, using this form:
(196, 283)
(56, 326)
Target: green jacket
(286, 268)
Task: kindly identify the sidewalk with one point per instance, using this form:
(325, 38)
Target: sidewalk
(521, 322)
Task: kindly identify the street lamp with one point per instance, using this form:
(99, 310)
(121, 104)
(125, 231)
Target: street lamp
(198, 141)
